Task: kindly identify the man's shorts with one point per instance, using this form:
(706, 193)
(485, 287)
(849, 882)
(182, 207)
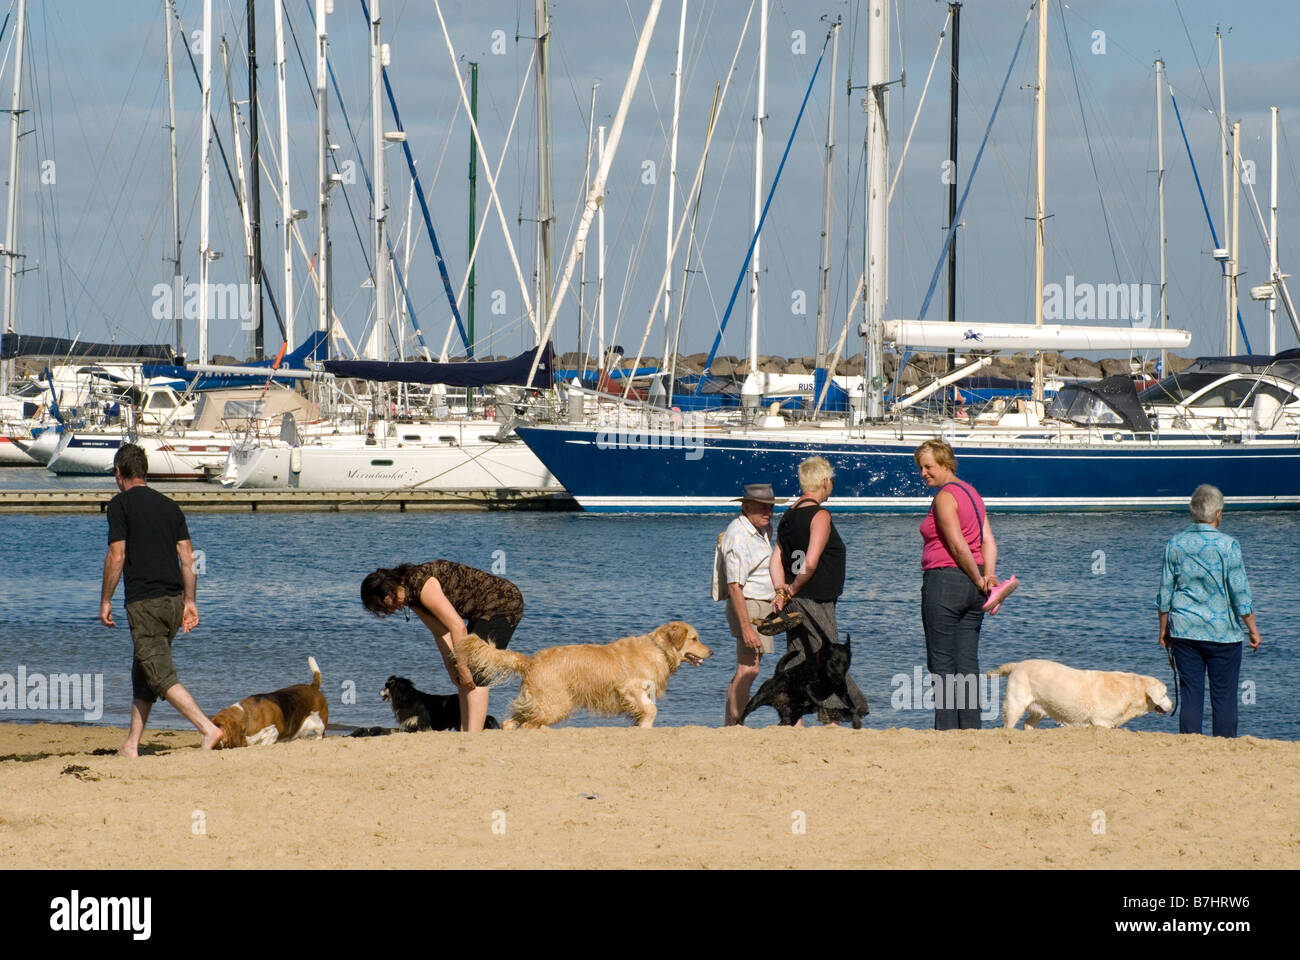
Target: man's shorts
(753, 608)
(154, 622)
(495, 630)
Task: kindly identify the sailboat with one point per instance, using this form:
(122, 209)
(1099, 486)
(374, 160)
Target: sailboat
(1095, 447)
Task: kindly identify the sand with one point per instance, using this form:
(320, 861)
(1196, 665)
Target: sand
(668, 797)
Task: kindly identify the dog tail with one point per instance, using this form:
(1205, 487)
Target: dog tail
(488, 665)
(1003, 670)
(315, 672)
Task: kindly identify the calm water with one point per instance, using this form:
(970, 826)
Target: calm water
(276, 588)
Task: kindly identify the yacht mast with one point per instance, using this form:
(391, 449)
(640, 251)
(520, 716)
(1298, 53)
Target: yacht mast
(672, 181)
(11, 217)
(877, 219)
(1236, 235)
(287, 215)
(205, 182)
(824, 269)
(1160, 181)
(582, 261)
(323, 8)
(1223, 170)
(543, 93)
(1272, 239)
(255, 192)
(1040, 191)
(379, 201)
(178, 281)
(600, 258)
(759, 117)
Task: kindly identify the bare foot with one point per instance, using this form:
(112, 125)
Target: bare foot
(211, 737)
(129, 752)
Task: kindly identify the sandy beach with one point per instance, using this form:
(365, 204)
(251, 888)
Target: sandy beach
(668, 797)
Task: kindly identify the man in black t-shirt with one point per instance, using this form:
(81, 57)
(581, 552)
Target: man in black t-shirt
(149, 539)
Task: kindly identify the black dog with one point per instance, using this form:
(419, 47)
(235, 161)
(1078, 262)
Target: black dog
(416, 710)
(801, 689)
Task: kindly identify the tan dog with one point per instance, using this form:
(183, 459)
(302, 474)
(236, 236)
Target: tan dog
(623, 677)
(294, 713)
(1077, 697)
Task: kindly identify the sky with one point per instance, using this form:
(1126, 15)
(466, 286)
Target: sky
(94, 228)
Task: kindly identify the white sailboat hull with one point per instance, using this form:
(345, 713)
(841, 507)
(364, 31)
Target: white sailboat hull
(474, 466)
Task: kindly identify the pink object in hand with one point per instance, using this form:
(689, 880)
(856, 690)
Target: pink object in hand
(1000, 593)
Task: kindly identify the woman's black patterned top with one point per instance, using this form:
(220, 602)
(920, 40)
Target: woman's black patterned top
(476, 594)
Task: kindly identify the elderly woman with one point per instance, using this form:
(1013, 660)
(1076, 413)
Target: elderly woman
(444, 595)
(1203, 602)
(807, 570)
(958, 561)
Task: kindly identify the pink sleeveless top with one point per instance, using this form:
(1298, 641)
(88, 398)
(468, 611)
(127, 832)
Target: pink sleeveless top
(970, 511)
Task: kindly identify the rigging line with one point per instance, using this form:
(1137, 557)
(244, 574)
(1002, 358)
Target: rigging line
(311, 85)
(1214, 109)
(424, 210)
(483, 223)
(952, 229)
(917, 116)
(1087, 139)
(58, 228)
(749, 254)
(1223, 267)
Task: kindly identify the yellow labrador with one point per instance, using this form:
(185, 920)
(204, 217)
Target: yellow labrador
(1098, 698)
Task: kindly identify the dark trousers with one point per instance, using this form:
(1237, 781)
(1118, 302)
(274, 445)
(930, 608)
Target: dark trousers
(1222, 661)
(951, 612)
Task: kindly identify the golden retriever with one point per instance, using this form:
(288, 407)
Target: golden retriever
(1098, 698)
(294, 713)
(623, 677)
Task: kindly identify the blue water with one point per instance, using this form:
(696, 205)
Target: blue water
(277, 587)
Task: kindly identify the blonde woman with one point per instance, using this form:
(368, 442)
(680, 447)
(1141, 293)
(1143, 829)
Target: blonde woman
(958, 561)
(808, 574)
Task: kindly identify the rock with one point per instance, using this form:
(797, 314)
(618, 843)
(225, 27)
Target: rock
(1178, 364)
(1082, 367)
(797, 367)
(723, 367)
(1111, 367)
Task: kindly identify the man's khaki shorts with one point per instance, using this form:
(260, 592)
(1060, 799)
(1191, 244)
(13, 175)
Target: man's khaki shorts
(154, 622)
(753, 608)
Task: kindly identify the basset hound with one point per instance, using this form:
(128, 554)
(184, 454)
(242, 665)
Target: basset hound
(294, 713)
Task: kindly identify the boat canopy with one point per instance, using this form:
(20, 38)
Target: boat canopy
(313, 348)
(14, 345)
(1112, 402)
(1285, 365)
(477, 373)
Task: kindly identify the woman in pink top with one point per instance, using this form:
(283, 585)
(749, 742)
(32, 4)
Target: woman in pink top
(958, 563)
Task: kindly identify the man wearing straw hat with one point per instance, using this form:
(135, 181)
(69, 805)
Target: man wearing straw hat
(746, 549)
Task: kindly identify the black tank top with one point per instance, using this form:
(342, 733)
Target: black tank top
(827, 581)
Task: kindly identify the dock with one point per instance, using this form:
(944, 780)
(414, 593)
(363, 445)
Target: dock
(206, 499)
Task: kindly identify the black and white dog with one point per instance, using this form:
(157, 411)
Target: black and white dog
(416, 710)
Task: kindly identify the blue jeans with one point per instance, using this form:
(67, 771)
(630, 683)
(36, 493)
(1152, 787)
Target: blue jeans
(1223, 663)
(951, 612)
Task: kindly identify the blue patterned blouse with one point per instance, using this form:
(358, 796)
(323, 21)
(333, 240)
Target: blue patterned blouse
(1203, 586)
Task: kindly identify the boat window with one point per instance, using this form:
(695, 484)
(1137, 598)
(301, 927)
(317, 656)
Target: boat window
(1233, 394)
(1177, 388)
(161, 400)
(412, 436)
(381, 463)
